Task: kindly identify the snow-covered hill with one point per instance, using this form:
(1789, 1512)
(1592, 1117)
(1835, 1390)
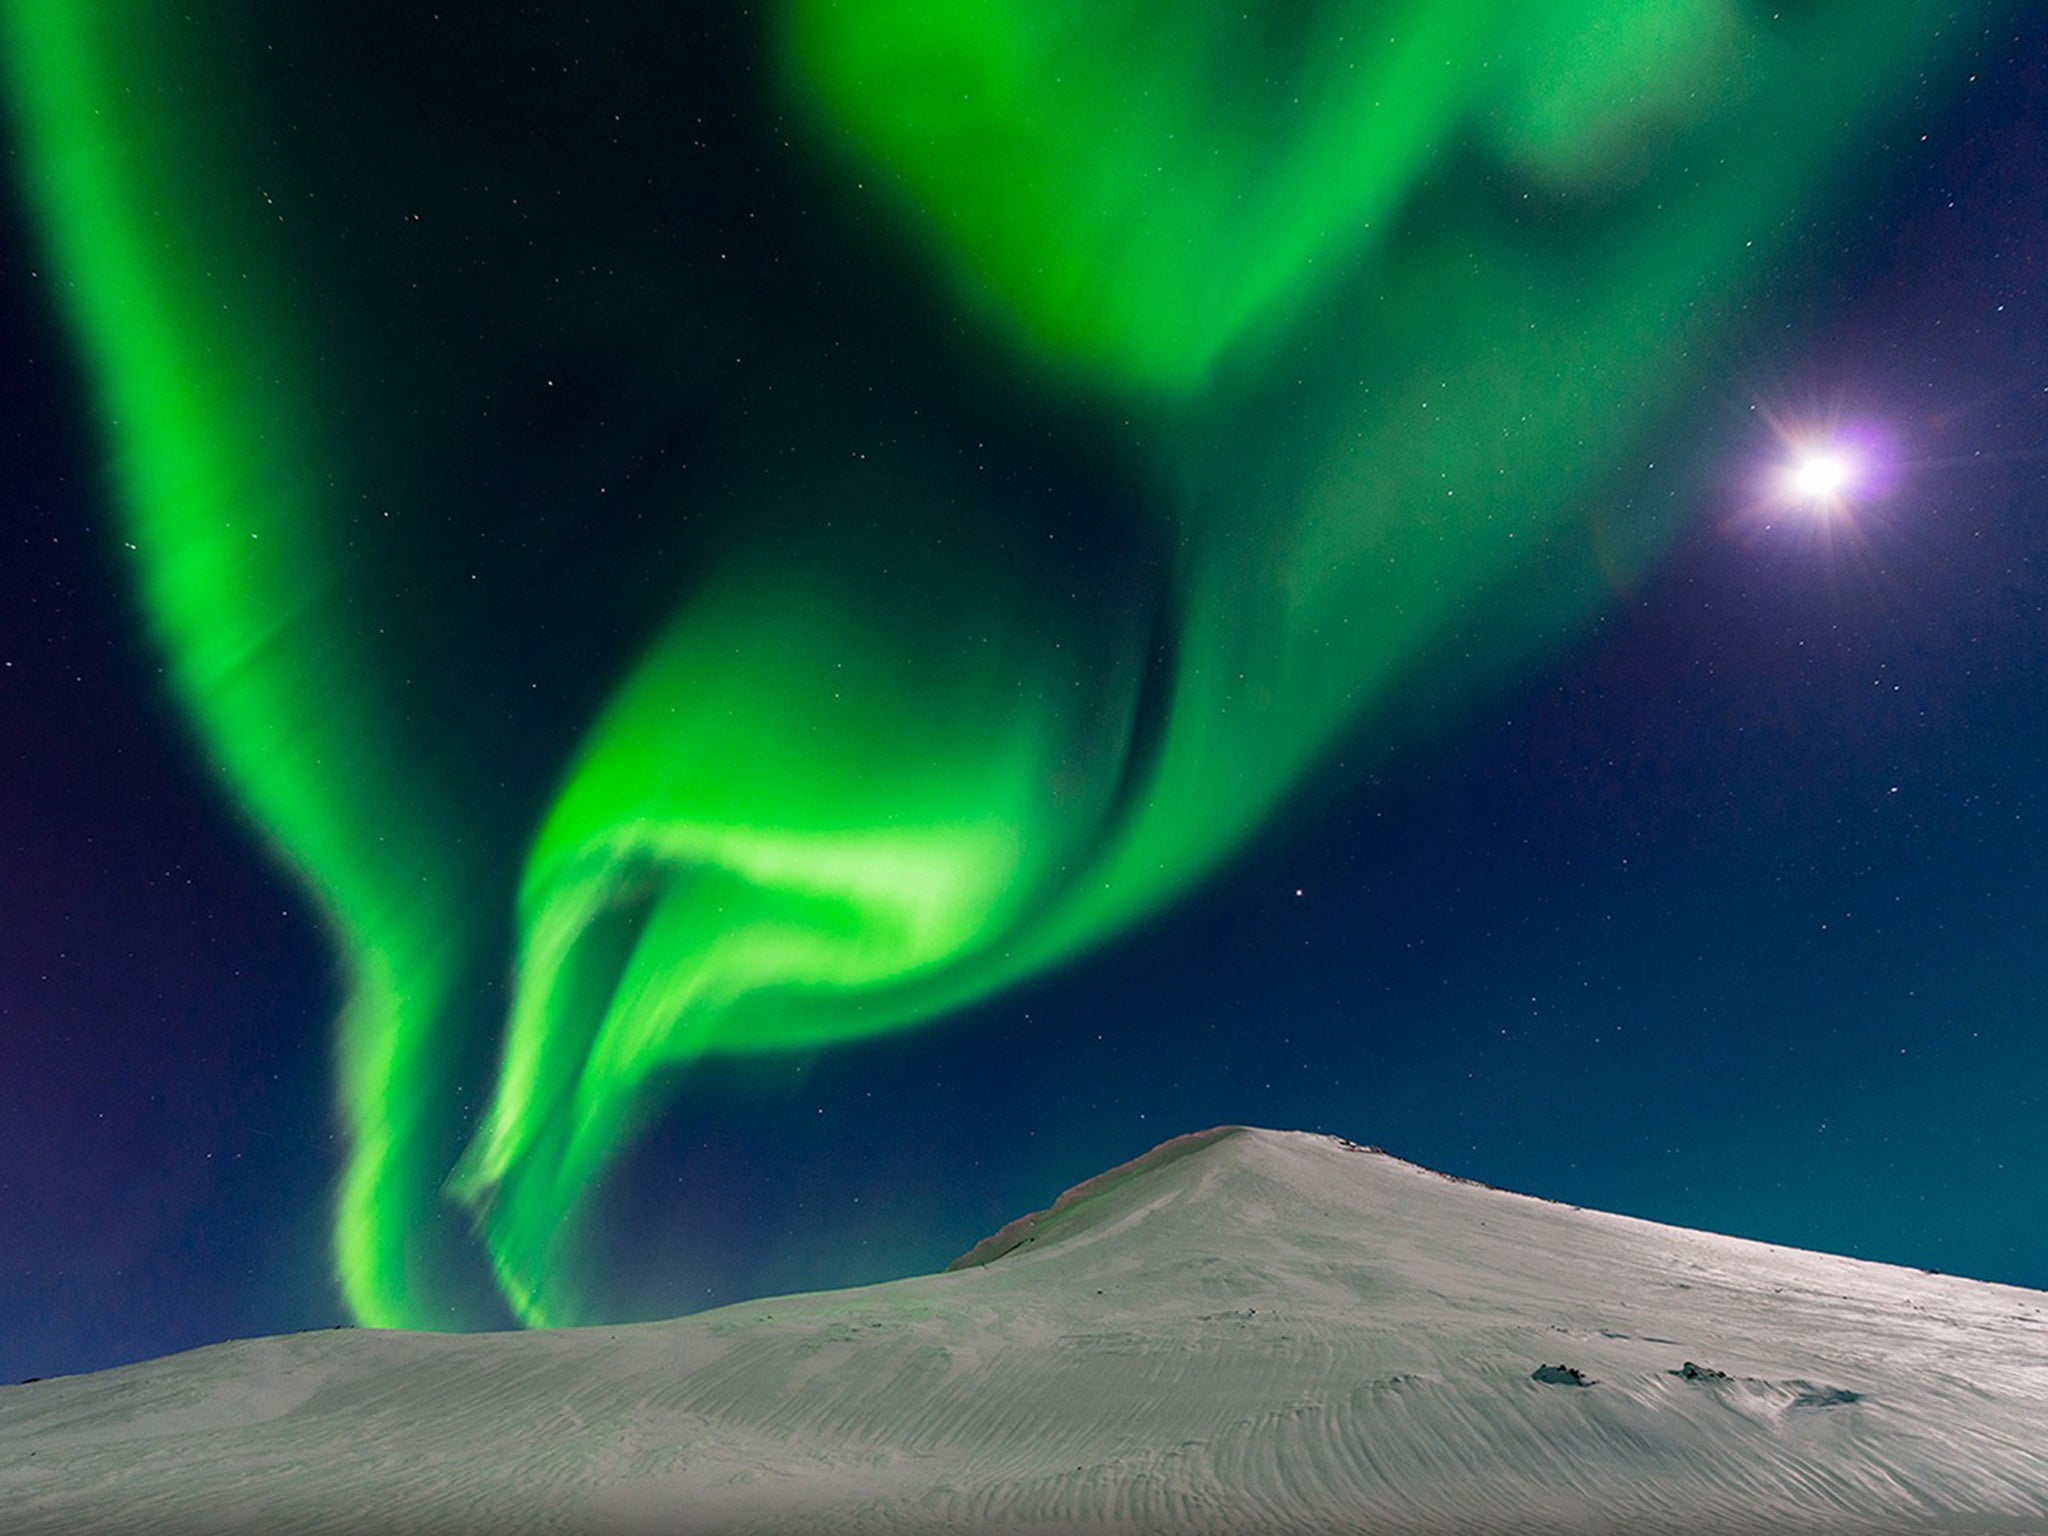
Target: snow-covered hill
(1242, 1331)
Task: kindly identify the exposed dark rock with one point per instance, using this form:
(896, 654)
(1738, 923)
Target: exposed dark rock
(1692, 1372)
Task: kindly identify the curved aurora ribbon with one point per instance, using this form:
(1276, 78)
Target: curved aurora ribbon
(1365, 307)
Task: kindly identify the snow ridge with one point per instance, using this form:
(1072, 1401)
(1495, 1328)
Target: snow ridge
(1243, 1331)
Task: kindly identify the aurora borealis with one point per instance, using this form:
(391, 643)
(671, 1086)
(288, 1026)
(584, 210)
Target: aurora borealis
(700, 543)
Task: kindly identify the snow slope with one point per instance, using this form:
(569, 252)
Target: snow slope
(1243, 1331)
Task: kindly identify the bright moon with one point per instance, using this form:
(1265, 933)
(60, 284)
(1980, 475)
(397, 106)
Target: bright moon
(1821, 479)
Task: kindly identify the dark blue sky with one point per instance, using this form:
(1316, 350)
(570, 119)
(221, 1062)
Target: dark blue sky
(1732, 916)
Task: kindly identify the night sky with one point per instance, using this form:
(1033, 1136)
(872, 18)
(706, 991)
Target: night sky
(620, 372)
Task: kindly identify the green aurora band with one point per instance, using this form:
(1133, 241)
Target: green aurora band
(1363, 315)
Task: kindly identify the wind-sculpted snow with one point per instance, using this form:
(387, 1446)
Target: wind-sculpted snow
(1243, 1332)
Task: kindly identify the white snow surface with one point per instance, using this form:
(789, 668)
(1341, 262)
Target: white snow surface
(1243, 1331)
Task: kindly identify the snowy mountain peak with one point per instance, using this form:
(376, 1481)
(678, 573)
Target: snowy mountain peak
(1242, 1331)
